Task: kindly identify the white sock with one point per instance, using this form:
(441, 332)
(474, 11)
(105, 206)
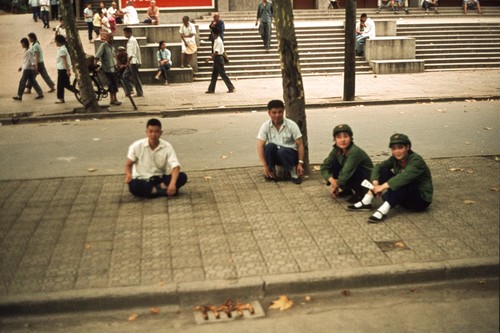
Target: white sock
(384, 209)
(293, 173)
(367, 199)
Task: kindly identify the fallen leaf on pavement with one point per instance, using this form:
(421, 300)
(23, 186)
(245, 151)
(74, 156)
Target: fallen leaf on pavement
(91, 169)
(208, 177)
(488, 128)
(155, 310)
(469, 202)
(456, 169)
(316, 168)
(88, 246)
(494, 189)
(400, 245)
(133, 317)
(282, 303)
(467, 142)
(345, 292)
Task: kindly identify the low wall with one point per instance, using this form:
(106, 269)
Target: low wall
(387, 48)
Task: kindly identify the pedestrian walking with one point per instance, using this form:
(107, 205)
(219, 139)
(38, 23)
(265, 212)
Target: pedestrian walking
(54, 10)
(36, 48)
(28, 72)
(45, 13)
(35, 6)
(134, 63)
(218, 67)
(88, 17)
(63, 65)
(265, 16)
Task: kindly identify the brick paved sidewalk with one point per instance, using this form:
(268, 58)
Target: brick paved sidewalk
(86, 235)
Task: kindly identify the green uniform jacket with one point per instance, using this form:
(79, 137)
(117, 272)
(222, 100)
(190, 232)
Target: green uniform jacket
(415, 170)
(349, 163)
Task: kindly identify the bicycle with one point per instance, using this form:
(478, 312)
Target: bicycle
(99, 88)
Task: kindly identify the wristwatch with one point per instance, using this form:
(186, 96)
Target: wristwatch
(301, 162)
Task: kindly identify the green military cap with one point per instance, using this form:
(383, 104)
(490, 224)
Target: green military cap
(399, 138)
(342, 128)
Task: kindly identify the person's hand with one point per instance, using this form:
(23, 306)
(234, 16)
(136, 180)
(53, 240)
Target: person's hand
(171, 190)
(69, 72)
(128, 178)
(377, 189)
(300, 169)
(268, 173)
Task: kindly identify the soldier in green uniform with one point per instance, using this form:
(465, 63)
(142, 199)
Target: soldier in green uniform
(403, 179)
(346, 166)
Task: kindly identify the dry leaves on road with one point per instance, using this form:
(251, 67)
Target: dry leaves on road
(282, 303)
(456, 169)
(155, 310)
(469, 202)
(133, 317)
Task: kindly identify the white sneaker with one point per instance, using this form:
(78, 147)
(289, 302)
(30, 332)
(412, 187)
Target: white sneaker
(59, 101)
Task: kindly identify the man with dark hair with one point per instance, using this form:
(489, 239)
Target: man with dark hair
(265, 15)
(218, 69)
(106, 53)
(279, 143)
(134, 62)
(147, 162)
(365, 28)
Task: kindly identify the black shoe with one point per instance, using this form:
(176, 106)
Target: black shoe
(297, 180)
(374, 219)
(345, 194)
(39, 97)
(360, 208)
(209, 92)
(17, 98)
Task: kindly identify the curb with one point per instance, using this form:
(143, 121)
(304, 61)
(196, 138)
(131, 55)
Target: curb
(27, 117)
(205, 292)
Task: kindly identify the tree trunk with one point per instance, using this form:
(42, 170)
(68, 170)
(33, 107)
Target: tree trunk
(349, 53)
(78, 59)
(293, 87)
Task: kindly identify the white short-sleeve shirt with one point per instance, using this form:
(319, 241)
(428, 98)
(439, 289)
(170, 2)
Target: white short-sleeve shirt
(288, 133)
(148, 162)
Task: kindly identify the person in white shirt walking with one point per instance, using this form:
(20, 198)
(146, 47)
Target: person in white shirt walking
(218, 69)
(134, 62)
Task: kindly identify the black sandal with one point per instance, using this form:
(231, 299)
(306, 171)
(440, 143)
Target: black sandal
(374, 219)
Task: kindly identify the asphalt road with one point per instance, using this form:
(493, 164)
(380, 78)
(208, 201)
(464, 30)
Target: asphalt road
(459, 306)
(227, 140)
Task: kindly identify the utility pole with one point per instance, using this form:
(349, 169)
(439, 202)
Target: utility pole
(349, 53)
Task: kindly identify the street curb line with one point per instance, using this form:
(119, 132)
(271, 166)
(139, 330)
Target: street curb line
(66, 116)
(205, 292)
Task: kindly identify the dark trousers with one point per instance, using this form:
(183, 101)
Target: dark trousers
(132, 74)
(44, 15)
(36, 13)
(407, 196)
(28, 76)
(277, 155)
(265, 29)
(142, 188)
(164, 70)
(353, 183)
(217, 70)
(90, 29)
(62, 83)
(54, 12)
(45, 76)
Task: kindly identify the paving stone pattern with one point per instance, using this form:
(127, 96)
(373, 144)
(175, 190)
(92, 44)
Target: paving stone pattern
(89, 232)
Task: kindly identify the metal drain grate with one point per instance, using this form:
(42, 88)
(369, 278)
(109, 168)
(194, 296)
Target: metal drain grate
(223, 317)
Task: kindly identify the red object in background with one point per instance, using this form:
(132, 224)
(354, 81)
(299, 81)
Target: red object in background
(172, 4)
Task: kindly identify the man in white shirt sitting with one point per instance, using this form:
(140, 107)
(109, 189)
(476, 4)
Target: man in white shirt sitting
(147, 163)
